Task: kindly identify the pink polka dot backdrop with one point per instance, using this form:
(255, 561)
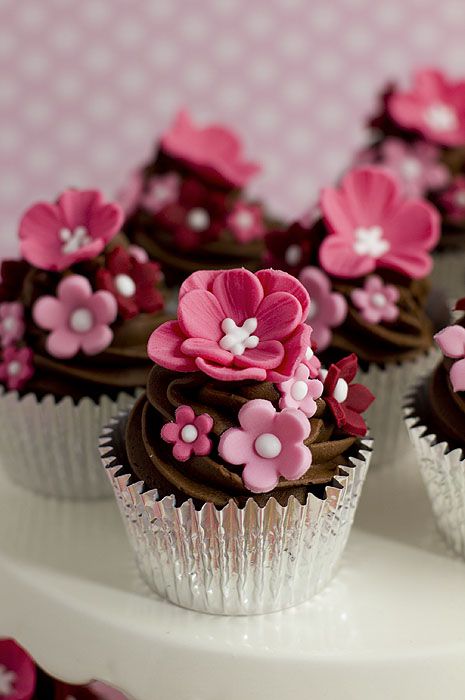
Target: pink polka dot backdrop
(87, 85)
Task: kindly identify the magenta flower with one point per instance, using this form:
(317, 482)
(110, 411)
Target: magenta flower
(77, 317)
(328, 309)
(268, 444)
(435, 107)
(372, 225)
(188, 434)
(11, 322)
(213, 151)
(76, 228)
(233, 325)
(246, 222)
(16, 368)
(160, 191)
(451, 341)
(128, 196)
(376, 301)
(300, 391)
(453, 199)
(17, 672)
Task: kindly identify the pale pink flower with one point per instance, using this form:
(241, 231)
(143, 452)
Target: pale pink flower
(376, 301)
(11, 322)
(300, 391)
(328, 309)
(246, 222)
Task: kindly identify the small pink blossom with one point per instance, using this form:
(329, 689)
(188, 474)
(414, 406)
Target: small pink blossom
(16, 368)
(76, 228)
(453, 200)
(376, 301)
(301, 391)
(11, 322)
(451, 341)
(160, 191)
(128, 196)
(17, 672)
(328, 309)
(246, 222)
(269, 444)
(78, 318)
(188, 433)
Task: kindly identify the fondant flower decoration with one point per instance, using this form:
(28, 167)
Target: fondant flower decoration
(76, 228)
(372, 225)
(435, 107)
(213, 151)
(128, 196)
(376, 301)
(234, 325)
(16, 367)
(138, 253)
(300, 391)
(188, 433)
(451, 341)
(77, 317)
(196, 218)
(289, 249)
(17, 672)
(453, 200)
(311, 361)
(345, 400)
(269, 444)
(328, 309)
(246, 222)
(133, 284)
(160, 191)
(11, 322)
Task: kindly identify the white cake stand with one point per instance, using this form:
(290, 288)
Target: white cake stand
(391, 626)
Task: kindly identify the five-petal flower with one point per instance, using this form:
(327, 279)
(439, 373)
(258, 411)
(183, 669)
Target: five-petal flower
(451, 340)
(300, 391)
(11, 322)
(16, 367)
(328, 309)
(188, 433)
(245, 221)
(376, 301)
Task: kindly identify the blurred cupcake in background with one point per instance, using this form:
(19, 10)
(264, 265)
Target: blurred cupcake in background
(187, 206)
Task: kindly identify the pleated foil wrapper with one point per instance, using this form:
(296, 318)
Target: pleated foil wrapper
(234, 561)
(51, 447)
(442, 469)
(448, 273)
(385, 415)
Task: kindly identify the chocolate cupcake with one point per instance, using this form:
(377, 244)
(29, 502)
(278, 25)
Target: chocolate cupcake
(75, 315)
(242, 443)
(186, 207)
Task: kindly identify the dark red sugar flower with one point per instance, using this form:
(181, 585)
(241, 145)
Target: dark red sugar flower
(460, 305)
(289, 249)
(346, 401)
(133, 283)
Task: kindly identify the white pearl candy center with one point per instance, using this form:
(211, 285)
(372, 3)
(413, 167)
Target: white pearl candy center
(441, 117)
(267, 446)
(369, 241)
(189, 433)
(81, 320)
(198, 219)
(341, 390)
(293, 254)
(74, 240)
(299, 390)
(243, 220)
(14, 368)
(237, 339)
(378, 300)
(9, 324)
(125, 285)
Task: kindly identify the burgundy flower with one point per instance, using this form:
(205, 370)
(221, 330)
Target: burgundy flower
(289, 249)
(346, 401)
(134, 284)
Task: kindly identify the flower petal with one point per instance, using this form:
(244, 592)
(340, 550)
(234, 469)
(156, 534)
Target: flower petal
(294, 352)
(260, 475)
(63, 344)
(338, 258)
(202, 279)
(202, 446)
(164, 348)
(359, 398)
(235, 446)
(74, 291)
(266, 355)
(279, 281)
(182, 451)
(457, 375)
(204, 423)
(49, 313)
(97, 339)
(272, 325)
(296, 460)
(291, 425)
(239, 294)
(170, 432)
(38, 233)
(451, 341)
(229, 374)
(184, 415)
(200, 315)
(104, 307)
(208, 349)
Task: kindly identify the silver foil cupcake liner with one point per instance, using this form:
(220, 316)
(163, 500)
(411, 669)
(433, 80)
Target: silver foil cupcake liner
(448, 274)
(51, 447)
(235, 561)
(385, 415)
(443, 472)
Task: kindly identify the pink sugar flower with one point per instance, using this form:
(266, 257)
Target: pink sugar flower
(453, 200)
(188, 433)
(234, 325)
(160, 191)
(300, 391)
(128, 196)
(451, 341)
(76, 228)
(435, 107)
(16, 368)
(376, 301)
(328, 309)
(372, 225)
(11, 322)
(213, 151)
(78, 318)
(269, 445)
(17, 672)
(246, 222)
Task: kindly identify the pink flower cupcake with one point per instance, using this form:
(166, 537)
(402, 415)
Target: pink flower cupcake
(239, 470)
(75, 315)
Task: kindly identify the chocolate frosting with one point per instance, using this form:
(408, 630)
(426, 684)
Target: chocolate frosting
(210, 479)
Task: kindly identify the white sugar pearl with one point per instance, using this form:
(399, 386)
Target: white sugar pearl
(309, 353)
(299, 390)
(14, 368)
(198, 219)
(81, 320)
(378, 300)
(313, 311)
(341, 390)
(267, 445)
(9, 324)
(125, 285)
(189, 433)
(293, 254)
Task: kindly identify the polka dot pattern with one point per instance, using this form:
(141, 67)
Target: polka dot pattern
(86, 87)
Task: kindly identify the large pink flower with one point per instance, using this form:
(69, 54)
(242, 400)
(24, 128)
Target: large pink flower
(17, 672)
(233, 324)
(372, 225)
(269, 444)
(213, 151)
(77, 227)
(328, 309)
(77, 317)
(434, 106)
(451, 340)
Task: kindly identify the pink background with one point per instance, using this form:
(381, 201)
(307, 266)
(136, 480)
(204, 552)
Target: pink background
(86, 85)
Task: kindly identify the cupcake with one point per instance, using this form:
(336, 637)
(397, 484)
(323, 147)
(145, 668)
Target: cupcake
(420, 135)
(75, 315)
(435, 418)
(365, 263)
(239, 470)
(186, 207)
